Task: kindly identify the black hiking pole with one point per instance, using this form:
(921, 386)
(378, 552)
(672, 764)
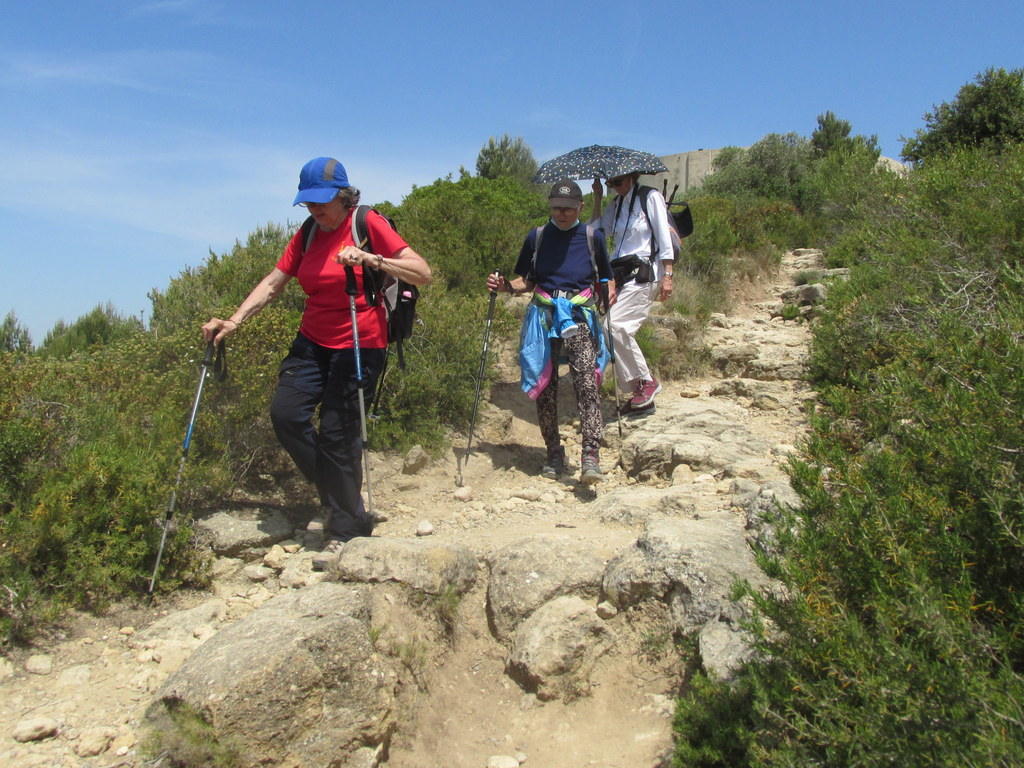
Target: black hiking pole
(479, 378)
(611, 353)
(221, 371)
(352, 291)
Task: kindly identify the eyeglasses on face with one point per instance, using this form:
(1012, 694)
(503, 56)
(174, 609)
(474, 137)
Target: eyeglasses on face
(616, 181)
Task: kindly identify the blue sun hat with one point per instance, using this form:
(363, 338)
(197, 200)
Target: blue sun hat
(320, 180)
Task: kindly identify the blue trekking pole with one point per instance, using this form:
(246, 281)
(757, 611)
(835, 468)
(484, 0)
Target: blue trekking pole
(611, 351)
(221, 371)
(353, 291)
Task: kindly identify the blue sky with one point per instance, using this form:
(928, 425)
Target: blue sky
(137, 136)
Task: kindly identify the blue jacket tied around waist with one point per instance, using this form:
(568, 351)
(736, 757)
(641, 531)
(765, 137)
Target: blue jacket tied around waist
(539, 328)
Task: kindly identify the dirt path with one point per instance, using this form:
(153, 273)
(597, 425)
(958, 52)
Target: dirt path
(94, 684)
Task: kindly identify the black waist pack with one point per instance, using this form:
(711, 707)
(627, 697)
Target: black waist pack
(632, 267)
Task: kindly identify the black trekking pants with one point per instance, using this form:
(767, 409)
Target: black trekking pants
(329, 454)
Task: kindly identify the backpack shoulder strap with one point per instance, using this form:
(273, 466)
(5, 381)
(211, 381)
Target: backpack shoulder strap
(536, 249)
(360, 232)
(373, 282)
(591, 234)
(309, 228)
(644, 193)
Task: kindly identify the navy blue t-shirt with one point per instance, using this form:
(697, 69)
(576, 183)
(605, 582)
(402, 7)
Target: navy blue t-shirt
(563, 263)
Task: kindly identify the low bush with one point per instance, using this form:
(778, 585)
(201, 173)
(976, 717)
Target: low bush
(897, 638)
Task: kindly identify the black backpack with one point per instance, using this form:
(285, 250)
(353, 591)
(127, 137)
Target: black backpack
(680, 223)
(398, 296)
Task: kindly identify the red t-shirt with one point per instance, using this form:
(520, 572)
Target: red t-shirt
(327, 319)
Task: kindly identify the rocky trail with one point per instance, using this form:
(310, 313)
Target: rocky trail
(510, 620)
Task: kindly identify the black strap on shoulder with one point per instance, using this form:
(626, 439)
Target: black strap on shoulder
(618, 210)
(644, 194)
(308, 229)
(373, 281)
(539, 231)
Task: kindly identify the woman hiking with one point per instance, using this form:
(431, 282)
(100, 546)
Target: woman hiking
(320, 370)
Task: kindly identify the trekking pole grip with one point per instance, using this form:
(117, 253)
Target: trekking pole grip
(497, 274)
(350, 282)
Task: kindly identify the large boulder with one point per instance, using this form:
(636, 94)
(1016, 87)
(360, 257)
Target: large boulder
(426, 566)
(296, 682)
(691, 565)
(554, 651)
(705, 434)
(530, 572)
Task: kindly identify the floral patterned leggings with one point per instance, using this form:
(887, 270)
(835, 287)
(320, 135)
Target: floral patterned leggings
(582, 353)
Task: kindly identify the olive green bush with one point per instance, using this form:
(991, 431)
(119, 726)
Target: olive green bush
(88, 449)
(467, 228)
(222, 282)
(103, 325)
(986, 114)
(14, 337)
(434, 395)
(507, 158)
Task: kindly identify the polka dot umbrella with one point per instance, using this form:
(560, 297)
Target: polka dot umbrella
(598, 162)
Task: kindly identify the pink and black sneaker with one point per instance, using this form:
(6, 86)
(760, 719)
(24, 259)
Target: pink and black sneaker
(644, 395)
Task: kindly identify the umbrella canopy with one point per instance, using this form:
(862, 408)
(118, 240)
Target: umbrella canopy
(598, 162)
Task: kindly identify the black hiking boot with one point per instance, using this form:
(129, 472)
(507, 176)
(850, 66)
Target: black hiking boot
(554, 466)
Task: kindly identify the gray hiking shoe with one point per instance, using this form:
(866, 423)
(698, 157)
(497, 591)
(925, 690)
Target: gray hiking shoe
(591, 467)
(328, 556)
(554, 466)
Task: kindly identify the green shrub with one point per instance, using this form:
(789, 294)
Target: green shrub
(88, 461)
(222, 282)
(184, 739)
(986, 114)
(467, 228)
(713, 725)
(103, 325)
(435, 393)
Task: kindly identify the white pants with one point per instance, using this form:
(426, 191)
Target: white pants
(631, 308)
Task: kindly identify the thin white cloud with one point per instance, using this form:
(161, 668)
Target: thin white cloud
(198, 11)
(138, 70)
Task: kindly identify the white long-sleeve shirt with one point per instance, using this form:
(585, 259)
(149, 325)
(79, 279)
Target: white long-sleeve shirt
(631, 230)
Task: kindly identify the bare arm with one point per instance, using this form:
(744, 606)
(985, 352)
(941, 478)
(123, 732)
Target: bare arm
(268, 289)
(504, 285)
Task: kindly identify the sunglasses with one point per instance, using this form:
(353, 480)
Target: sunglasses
(616, 181)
